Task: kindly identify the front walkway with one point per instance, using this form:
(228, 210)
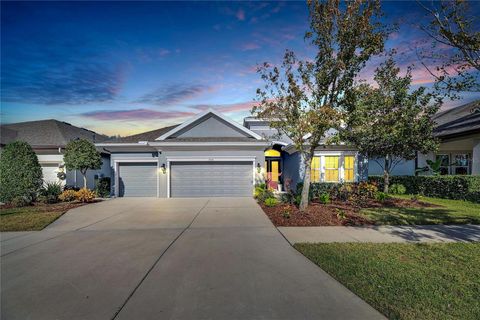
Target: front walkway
(427, 233)
(167, 259)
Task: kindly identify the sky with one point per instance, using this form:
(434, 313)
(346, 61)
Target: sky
(121, 68)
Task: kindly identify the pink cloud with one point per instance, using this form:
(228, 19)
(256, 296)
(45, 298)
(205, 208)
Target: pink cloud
(250, 46)
(240, 15)
(233, 107)
(135, 114)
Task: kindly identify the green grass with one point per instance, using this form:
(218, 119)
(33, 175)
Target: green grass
(31, 218)
(406, 281)
(450, 212)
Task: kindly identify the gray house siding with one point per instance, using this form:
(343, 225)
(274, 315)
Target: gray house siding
(210, 127)
(293, 171)
(404, 168)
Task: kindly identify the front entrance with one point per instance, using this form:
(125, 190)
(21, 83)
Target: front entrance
(273, 167)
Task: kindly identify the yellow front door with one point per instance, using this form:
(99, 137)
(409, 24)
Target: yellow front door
(274, 171)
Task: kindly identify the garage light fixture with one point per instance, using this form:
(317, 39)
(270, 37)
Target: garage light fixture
(164, 168)
(259, 168)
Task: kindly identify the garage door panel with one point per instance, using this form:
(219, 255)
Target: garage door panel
(137, 179)
(211, 179)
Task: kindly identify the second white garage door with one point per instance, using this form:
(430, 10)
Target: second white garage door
(211, 179)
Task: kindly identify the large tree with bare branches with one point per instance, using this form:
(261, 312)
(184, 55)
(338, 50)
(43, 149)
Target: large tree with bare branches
(305, 98)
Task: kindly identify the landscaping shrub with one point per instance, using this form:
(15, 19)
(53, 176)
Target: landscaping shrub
(447, 187)
(20, 172)
(85, 195)
(20, 201)
(286, 214)
(103, 187)
(50, 192)
(271, 202)
(397, 188)
(324, 198)
(381, 196)
(358, 193)
(68, 195)
(262, 193)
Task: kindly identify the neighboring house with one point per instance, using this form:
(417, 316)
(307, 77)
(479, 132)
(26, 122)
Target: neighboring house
(48, 139)
(459, 132)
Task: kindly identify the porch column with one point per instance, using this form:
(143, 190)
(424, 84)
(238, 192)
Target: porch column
(476, 159)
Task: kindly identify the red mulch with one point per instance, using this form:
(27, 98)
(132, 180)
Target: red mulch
(327, 215)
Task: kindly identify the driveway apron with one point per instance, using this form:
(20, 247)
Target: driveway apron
(217, 258)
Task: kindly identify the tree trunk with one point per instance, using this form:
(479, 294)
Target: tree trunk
(386, 175)
(306, 183)
(84, 174)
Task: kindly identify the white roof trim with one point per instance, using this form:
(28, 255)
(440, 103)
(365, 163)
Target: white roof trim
(187, 144)
(203, 114)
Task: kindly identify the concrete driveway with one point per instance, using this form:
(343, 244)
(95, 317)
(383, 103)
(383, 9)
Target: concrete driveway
(139, 258)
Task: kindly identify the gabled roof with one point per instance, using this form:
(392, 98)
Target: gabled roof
(48, 133)
(205, 114)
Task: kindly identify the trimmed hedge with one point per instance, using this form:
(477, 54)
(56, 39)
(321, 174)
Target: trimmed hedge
(20, 173)
(446, 187)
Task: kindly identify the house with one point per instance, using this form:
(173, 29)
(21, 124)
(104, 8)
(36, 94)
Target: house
(206, 156)
(211, 155)
(458, 130)
(48, 139)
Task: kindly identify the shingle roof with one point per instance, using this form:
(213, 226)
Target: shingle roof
(464, 125)
(51, 132)
(212, 139)
(145, 136)
(456, 113)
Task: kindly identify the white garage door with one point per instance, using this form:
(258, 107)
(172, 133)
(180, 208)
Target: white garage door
(49, 171)
(211, 179)
(137, 179)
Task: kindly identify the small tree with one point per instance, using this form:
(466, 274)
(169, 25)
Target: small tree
(20, 172)
(81, 155)
(304, 99)
(391, 122)
(454, 58)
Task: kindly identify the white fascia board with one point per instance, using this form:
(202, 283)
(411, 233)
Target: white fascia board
(203, 114)
(133, 144)
(190, 144)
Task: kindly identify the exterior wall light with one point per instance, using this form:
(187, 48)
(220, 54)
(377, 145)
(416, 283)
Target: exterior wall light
(164, 168)
(259, 168)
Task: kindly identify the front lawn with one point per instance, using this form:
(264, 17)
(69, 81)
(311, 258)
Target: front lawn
(34, 217)
(443, 211)
(406, 281)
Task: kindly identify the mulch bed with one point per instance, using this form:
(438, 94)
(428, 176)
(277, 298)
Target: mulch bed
(336, 213)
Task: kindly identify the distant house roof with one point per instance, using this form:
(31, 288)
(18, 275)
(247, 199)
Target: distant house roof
(461, 126)
(456, 113)
(47, 133)
(144, 136)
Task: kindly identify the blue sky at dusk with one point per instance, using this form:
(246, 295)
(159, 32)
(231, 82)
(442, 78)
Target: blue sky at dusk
(124, 68)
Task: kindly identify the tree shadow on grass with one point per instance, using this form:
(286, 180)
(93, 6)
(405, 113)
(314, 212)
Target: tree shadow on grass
(446, 233)
(419, 216)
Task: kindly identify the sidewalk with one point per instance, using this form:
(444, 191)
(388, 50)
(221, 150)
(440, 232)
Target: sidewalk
(425, 233)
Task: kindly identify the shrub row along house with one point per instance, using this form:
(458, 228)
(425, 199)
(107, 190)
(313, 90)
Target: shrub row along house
(211, 155)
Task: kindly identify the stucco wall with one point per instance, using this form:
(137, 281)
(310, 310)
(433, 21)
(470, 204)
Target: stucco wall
(404, 168)
(207, 153)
